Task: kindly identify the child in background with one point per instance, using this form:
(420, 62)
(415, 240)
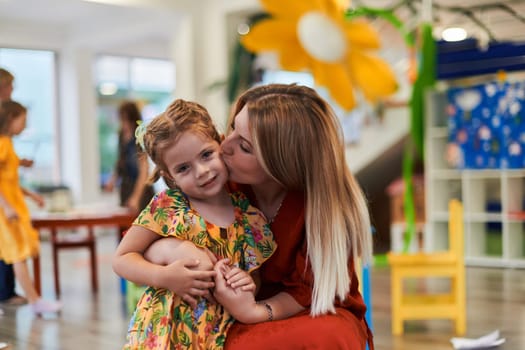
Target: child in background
(18, 239)
(196, 216)
(7, 275)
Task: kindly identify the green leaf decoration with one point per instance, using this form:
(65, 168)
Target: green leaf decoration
(415, 147)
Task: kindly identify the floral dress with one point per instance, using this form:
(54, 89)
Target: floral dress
(18, 239)
(162, 320)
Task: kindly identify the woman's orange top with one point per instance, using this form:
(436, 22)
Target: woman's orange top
(288, 271)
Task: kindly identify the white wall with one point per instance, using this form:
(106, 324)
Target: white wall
(194, 38)
(196, 34)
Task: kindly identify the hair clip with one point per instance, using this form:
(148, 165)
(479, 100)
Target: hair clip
(140, 131)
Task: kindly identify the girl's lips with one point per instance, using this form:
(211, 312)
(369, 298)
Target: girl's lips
(209, 182)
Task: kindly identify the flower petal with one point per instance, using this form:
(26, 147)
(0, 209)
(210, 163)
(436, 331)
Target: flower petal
(361, 34)
(372, 75)
(336, 8)
(290, 8)
(263, 35)
(293, 57)
(337, 81)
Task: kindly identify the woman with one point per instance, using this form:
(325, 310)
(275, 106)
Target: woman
(131, 171)
(286, 150)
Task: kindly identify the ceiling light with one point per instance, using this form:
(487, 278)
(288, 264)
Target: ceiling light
(108, 89)
(243, 29)
(454, 34)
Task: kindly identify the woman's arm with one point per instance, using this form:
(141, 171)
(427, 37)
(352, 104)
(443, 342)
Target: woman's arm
(242, 304)
(133, 202)
(186, 277)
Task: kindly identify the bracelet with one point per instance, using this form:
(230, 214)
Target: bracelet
(269, 309)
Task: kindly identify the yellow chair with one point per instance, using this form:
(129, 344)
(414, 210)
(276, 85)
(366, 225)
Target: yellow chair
(448, 264)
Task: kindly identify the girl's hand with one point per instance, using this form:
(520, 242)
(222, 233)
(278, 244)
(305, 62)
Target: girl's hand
(109, 186)
(239, 303)
(10, 213)
(186, 269)
(237, 278)
(188, 278)
(39, 200)
(26, 163)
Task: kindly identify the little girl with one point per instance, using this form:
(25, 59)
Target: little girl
(18, 239)
(197, 217)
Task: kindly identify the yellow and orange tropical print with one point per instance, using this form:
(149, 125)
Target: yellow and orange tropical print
(162, 320)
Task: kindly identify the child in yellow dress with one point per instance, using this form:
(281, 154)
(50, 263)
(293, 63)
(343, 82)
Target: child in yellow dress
(18, 239)
(196, 215)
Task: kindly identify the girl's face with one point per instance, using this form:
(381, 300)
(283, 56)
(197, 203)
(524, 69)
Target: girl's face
(18, 124)
(5, 91)
(194, 164)
(239, 154)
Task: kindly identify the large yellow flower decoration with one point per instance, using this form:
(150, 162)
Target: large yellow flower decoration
(314, 35)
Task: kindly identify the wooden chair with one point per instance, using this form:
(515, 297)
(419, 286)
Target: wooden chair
(448, 264)
(71, 242)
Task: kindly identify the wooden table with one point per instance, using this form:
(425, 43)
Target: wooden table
(56, 221)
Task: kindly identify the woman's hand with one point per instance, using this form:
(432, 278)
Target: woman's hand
(133, 204)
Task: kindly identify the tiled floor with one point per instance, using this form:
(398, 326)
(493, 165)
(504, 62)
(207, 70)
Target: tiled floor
(496, 300)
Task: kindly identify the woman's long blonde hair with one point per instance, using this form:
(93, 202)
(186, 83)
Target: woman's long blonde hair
(299, 142)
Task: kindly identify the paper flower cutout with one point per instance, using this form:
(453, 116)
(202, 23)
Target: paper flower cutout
(314, 35)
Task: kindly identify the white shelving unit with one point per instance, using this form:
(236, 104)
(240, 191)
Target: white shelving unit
(493, 237)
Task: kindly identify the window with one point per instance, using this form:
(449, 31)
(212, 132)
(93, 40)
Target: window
(35, 88)
(149, 82)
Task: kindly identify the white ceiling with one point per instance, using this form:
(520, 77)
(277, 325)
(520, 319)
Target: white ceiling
(134, 22)
(83, 14)
(104, 27)
(498, 19)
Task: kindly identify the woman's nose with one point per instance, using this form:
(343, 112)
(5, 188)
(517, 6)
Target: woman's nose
(226, 146)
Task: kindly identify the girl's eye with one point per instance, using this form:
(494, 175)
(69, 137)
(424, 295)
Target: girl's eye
(207, 154)
(182, 169)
